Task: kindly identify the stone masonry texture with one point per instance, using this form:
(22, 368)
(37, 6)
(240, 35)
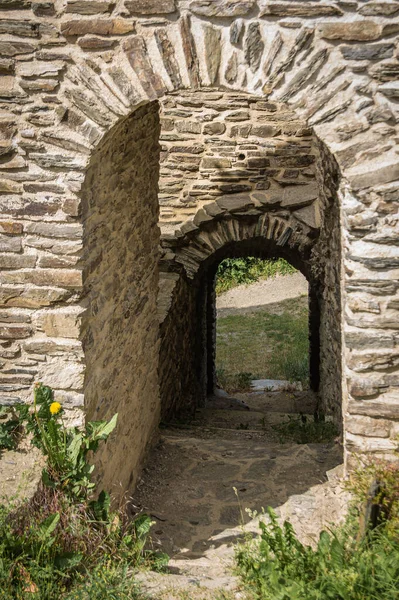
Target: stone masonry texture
(272, 125)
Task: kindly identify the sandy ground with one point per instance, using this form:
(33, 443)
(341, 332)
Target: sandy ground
(262, 293)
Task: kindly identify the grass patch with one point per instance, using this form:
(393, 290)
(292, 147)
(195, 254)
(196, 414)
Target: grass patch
(302, 430)
(262, 345)
(240, 271)
(356, 561)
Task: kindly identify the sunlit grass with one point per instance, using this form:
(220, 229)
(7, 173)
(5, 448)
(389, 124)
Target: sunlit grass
(265, 345)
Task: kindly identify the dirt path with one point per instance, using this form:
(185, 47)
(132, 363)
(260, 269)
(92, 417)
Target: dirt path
(262, 293)
(203, 474)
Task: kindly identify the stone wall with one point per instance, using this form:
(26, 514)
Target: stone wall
(326, 267)
(119, 332)
(71, 70)
(216, 143)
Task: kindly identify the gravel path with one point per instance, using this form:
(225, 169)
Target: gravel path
(262, 293)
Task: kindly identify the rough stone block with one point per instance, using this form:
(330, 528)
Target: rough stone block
(61, 324)
(89, 7)
(71, 231)
(356, 31)
(13, 48)
(235, 203)
(22, 28)
(17, 261)
(212, 162)
(367, 51)
(221, 8)
(10, 243)
(78, 27)
(68, 278)
(298, 9)
(150, 7)
(309, 215)
(14, 332)
(374, 173)
(386, 9)
(215, 128)
(8, 186)
(294, 196)
(96, 43)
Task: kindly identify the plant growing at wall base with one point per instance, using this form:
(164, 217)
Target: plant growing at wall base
(10, 428)
(63, 544)
(344, 565)
(66, 449)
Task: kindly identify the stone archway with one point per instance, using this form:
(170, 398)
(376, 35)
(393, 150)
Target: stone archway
(260, 224)
(75, 77)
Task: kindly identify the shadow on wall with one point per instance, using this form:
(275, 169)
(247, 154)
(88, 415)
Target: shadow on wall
(120, 331)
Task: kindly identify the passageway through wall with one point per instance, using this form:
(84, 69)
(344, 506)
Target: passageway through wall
(262, 326)
(215, 188)
(254, 190)
(263, 252)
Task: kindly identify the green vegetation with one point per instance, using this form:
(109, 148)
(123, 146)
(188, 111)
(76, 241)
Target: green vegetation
(63, 543)
(10, 428)
(358, 561)
(302, 430)
(263, 345)
(238, 271)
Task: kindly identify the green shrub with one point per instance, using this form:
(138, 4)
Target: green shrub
(63, 543)
(344, 565)
(238, 271)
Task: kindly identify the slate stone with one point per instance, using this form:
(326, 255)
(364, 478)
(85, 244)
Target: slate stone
(372, 9)
(297, 9)
(309, 215)
(89, 7)
(213, 210)
(235, 203)
(150, 7)
(368, 52)
(390, 89)
(190, 51)
(167, 51)
(212, 52)
(357, 31)
(232, 68)
(268, 200)
(96, 43)
(234, 188)
(201, 217)
(254, 46)
(77, 27)
(221, 8)
(19, 28)
(137, 54)
(13, 48)
(385, 71)
(15, 4)
(294, 196)
(43, 8)
(236, 31)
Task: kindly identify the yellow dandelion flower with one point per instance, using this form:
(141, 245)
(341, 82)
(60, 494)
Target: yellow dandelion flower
(55, 408)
